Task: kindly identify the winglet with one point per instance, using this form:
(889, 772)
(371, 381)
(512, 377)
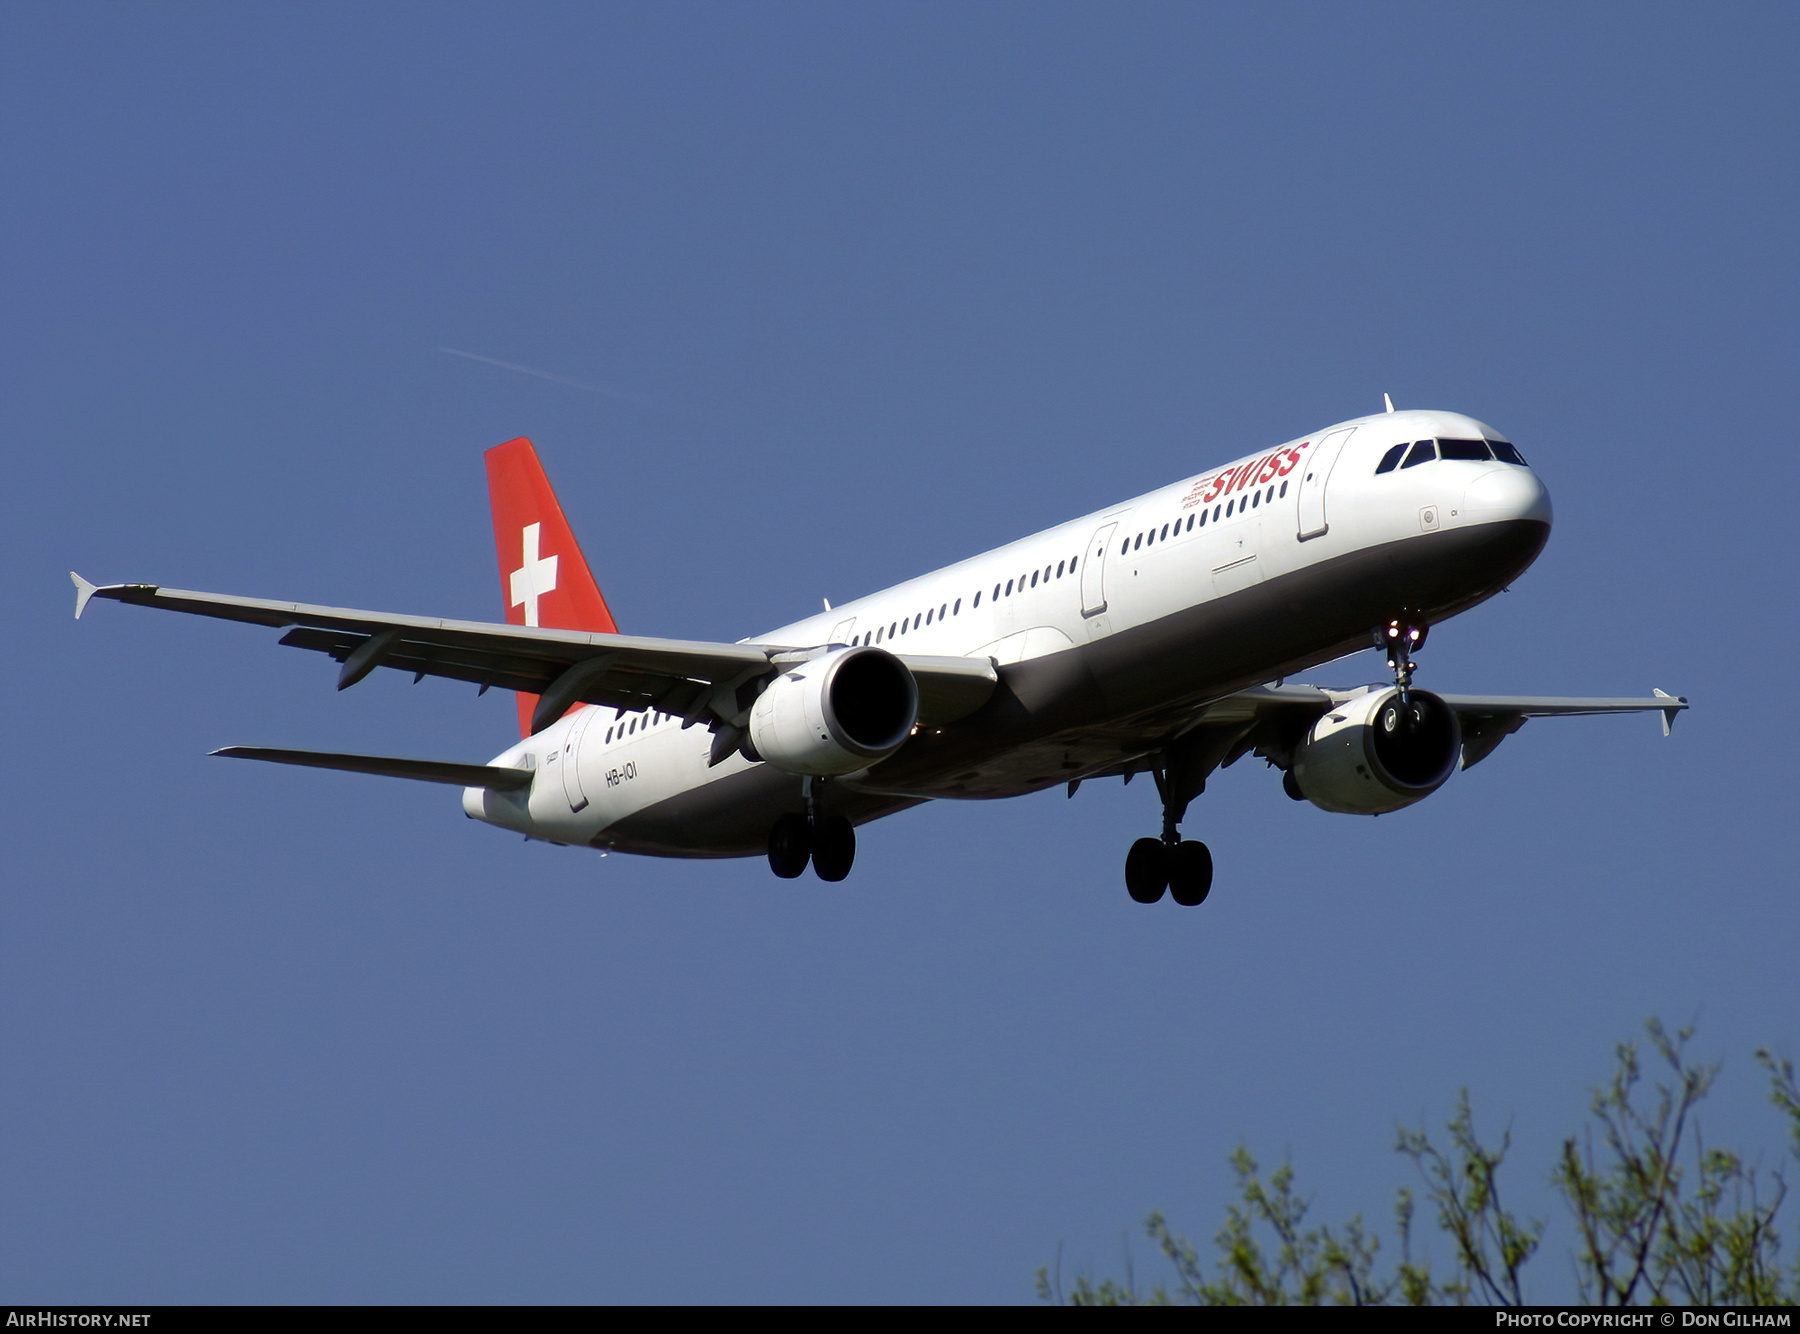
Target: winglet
(83, 591)
(1668, 714)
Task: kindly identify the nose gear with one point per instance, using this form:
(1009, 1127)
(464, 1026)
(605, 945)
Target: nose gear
(1401, 640)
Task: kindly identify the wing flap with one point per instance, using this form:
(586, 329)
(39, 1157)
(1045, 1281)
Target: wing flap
(950, 688)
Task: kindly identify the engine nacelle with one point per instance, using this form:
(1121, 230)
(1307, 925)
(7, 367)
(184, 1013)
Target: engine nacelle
(840, 712)
(1369, 755)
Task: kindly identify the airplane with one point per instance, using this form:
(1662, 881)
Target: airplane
(1157, 635)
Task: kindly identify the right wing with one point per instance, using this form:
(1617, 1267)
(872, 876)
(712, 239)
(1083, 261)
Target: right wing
(1270, 720)
(1270, 711)
(699, 682)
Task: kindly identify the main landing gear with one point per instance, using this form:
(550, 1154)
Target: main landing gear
(827, 841)
(1182, 867)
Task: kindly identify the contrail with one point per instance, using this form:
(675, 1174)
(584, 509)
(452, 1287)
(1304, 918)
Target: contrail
(546, 375)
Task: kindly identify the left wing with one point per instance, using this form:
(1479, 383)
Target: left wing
(699, 682)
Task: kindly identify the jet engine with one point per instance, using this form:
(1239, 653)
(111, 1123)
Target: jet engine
(837, 713)
(1372, 754)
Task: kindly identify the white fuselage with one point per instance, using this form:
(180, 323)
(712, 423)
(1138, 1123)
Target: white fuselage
(1156, 560)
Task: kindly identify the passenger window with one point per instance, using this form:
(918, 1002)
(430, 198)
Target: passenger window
(1506, 453)
(1471, 451)
(1255, 499)
(997, 592)
(956, 607)
(1228, 505)
(1215, 513)
(1072, 566)
(1423, 451)
(1137, 542)
(1190, 523)
(1125, 547)
(1034, 578)
(892, 628)
(1203, 518)
(1283, 490)
(928, 615)
(941, 610)
(1009, 588)
(609, 736)
(976, 603)
(1389, 460)
(1151, 539)
(1059, 567)
(1165, 532)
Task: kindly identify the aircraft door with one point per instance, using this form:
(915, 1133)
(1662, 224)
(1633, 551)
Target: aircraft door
(1093, 571)
(1315, 473)
(571, 757)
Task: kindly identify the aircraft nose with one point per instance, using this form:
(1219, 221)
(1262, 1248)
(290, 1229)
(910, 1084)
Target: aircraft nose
(1507, 493)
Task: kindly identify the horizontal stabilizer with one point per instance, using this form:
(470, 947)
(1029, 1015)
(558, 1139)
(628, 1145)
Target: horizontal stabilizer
(83, 591)
(427, 771)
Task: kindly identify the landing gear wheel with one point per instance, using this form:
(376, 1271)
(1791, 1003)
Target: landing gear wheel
(834, 847)
(790, 846)
(1147, 870)
(1190, 873)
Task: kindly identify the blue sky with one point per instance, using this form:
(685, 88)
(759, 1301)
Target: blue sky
(857, 290)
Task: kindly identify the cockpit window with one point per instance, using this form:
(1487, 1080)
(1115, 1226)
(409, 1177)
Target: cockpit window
(1474, 451)
(1423, 451)
(1391, 459)
(1506, 453)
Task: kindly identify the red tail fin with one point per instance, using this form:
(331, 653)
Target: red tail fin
(544, 579)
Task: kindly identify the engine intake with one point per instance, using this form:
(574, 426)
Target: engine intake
(837, 713)
(1371, 755)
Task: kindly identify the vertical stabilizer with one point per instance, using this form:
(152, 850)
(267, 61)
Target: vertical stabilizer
(544, 578)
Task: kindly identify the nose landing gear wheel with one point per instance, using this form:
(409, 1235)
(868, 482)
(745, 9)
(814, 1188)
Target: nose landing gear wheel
(790, 846)
(834, 847)
(1147, 870)
(1190, 873)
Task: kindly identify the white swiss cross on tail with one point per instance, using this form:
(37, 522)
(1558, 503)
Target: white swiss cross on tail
(534, 577)
(548, 592)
